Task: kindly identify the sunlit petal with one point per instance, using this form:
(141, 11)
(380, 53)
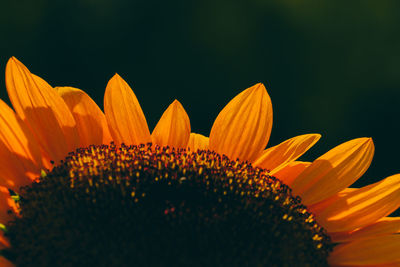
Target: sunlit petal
(124, 115)
(334, 171)
(286, 151)
(361, 207)
(42, 109)
(243, 127)
(173, 129)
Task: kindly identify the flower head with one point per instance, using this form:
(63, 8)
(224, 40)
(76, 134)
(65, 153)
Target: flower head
(79, 186)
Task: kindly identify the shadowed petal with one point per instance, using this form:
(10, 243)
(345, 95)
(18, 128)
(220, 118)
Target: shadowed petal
(42, 109)
(335, 170)
(124, 115)
(380, 250)
(361, 207)
(242, 129)
(173, 128)
(289, 172)
(384, 226)
(197, 142)
(6, 204)
(5, 263)
(286, 151)
(4, 243)
(90, 120)
(20, 155)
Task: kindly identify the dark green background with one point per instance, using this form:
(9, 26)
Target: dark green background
(331, 67)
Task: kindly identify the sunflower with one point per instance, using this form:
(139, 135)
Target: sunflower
(83, 187)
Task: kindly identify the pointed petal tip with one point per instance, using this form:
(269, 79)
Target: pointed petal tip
(176, 104)
(258, 88)
(11, 62)
(13, 59)
(314, 136)
(363, 140)
(370, 140)
(367, 142)
(277, 156)
(116, 76)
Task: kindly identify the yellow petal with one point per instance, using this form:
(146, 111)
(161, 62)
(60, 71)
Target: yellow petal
(173, 128)
(197, 142)
(361, 207)
(290, 171)
(90, 120)
(124, 115)
(42, 109)
(380, 250)
(384, 226)
(21, 159)
(286, 151)
(335, 170)
(242, 129)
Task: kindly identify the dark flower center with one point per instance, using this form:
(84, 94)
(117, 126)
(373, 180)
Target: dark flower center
(152, 206)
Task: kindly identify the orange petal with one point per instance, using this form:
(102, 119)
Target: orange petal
(242, 129)
(19, 151)
(90, 120)
(42, 109)
(7, 204)
(290, 171)
(361, 207)
(380, 250)
(5, 263)
(4, 243)
(173, 128)
(384, 226)
(322, 205)
(335, 170)
(286, 151)
(197, 142)
(40, 82)
(124, 115)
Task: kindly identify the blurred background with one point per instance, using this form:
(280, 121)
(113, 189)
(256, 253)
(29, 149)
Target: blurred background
(331, 67)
